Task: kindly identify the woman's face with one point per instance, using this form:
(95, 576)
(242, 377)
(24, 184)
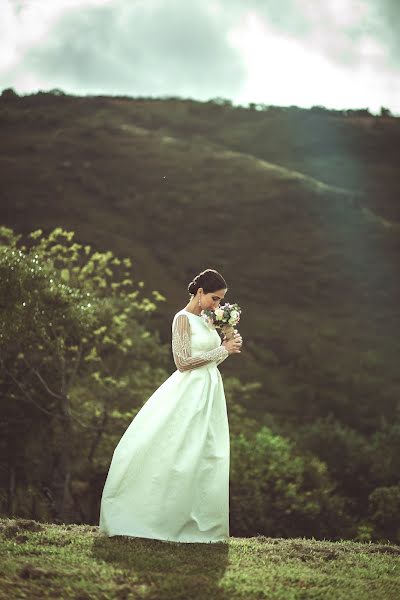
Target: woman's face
(212, 299)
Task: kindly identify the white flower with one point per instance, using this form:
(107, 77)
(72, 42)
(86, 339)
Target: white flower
(219, 313)
(234, 314)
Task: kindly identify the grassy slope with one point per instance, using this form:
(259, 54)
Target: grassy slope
(41, 560)
(358, 153)
(315, 270)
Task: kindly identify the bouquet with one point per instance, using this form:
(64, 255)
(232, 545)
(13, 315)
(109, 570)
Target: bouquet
(224, 318)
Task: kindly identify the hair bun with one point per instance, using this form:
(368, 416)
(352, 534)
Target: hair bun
(210, 280)
(192, 287)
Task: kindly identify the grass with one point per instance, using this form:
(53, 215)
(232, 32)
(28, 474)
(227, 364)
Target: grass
(43, 560)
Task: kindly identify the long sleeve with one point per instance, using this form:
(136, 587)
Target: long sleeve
(219, 361)
(181, 348)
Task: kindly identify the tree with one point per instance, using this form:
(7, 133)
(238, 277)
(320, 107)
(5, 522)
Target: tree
(9, 94)
(385, 112)
(72, 328)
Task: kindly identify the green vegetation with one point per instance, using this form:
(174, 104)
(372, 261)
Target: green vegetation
(40, 560)
(76, 363)
(299, 211)
(313, 262)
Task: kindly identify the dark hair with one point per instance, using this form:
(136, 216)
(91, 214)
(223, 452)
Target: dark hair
(210, 280)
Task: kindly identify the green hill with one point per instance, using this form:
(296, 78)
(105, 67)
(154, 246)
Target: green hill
(40, 560)
(298, 210)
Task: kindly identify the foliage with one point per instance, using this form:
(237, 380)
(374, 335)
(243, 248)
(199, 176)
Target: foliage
(346, 453)
(305, 202)
(73, 349)
(278, 492)
(238, 396)
(299, 210)
(78, 363)
(384, 509)
(385, 454)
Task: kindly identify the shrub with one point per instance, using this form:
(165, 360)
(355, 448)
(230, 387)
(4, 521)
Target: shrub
(276, 492)
(384, 513)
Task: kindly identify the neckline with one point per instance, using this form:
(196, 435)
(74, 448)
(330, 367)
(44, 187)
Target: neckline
(190, 313)
(199, 317)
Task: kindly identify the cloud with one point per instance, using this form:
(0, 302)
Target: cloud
(341, 53)
(336, 30)
(207, 48)
(149, 48)
(384, 25)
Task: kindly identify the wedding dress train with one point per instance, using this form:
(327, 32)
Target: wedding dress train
(169, 474)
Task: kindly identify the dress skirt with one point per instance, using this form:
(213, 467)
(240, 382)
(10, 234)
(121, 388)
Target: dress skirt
(169, 474)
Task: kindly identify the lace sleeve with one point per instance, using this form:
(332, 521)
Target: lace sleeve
(181, 348)
(220, 360)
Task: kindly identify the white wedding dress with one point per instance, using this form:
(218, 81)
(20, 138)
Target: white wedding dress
(169, 474)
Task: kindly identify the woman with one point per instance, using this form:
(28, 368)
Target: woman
(169, 474)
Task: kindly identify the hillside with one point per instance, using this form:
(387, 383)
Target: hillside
(40, 560)
(311, 255)
(350, 149)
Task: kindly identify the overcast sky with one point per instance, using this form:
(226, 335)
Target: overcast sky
(336, 53)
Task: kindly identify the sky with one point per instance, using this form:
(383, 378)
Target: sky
(340, 54)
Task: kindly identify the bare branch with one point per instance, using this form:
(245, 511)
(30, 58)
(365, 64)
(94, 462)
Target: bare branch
(42, 381)
(28, 396)
(30, 399)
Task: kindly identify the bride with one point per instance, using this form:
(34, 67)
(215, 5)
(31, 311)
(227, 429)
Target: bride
(169, 474)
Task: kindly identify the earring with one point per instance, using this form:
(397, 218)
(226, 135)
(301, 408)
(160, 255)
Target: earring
(199, 302)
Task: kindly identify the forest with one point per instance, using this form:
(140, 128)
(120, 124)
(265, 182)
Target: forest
(109, 206)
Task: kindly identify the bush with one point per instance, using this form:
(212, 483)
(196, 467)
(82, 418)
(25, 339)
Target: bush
(9, 93)
(275, 492)
(346, 453)
(384, 513)
(385, 456)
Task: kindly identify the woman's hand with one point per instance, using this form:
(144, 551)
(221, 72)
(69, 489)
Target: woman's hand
(234, 344)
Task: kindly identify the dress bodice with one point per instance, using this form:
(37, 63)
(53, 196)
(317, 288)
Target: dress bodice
(203, 336)
(195, 343)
